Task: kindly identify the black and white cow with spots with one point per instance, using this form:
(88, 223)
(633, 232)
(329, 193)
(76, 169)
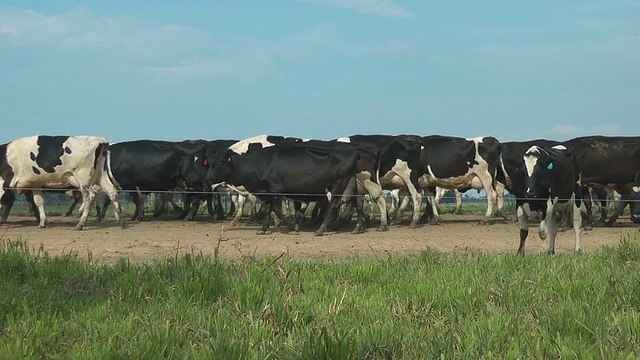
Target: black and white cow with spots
(43, 162)
(399, 164)
(548, 180)
(458, 163)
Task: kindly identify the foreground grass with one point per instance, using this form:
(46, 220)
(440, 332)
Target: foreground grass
(434, 305)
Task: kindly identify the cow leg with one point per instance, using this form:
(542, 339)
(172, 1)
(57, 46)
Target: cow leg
(239, 201)
(6, 203)
(375, 190)
(160, 205)
(487, 184)
(618, 211)
(548, 227)
(577, 224)
(137, 199)
(458, 209)
(588, 204)
(359, 205)
(87, 197)
(267, 217)
(39, 202)
(76, 199)
(435, 220)
(334, 206)
(523, 213)
(500, 201)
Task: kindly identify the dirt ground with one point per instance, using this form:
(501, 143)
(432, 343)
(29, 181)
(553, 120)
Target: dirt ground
(167, 237)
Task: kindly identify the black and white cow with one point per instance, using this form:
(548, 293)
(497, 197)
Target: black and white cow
(215, 154)
(56, 162)
(145, 166)
(303, 172)
(458, 163)
(610, 162)
(547, 180)
(399, 164)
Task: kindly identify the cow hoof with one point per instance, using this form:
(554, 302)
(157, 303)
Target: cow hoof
(383, 228)
(608, 224)
(42, 226)
(414, 225)
(318, 233)
(261, 232)
(587, 227)
(79, 227)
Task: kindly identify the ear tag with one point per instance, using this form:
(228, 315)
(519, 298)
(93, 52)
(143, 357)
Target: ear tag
(205, 162)
(550, 167)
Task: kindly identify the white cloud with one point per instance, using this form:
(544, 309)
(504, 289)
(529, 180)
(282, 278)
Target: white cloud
(175, 53)
(376, 7)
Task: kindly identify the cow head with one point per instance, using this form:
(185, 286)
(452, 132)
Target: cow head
(219, 172)
(198, 165)
(539, 170)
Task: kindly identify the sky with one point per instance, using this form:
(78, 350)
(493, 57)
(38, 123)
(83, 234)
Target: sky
(323, 69)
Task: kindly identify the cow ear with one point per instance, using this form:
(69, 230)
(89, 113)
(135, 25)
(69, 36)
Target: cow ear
(550, 166)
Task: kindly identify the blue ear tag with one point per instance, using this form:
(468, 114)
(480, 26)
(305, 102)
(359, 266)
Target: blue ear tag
(550, 167)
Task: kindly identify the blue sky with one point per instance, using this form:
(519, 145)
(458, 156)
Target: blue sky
(321, 69)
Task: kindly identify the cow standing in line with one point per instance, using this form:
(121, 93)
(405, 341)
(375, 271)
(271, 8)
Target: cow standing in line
(56, 162)
(399, 165)
(547, 180)
(144, 166)
(303, 172)
(459, 163)
(608, 162)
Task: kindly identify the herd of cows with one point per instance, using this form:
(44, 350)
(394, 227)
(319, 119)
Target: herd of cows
(545, 176)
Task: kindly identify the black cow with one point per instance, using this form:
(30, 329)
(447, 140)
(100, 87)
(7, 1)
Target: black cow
(607, 161)
(458, 163)
(213, 151)
(300, 171)
(145, 166)
(547, 180)
(214, 155)
(399, 164)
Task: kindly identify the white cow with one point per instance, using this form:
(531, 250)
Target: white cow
(57, 162)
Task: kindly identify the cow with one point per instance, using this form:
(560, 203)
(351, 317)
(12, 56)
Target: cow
(44, 162)
(303, 172)
(214, 155)
(399, 161)
(145, 166)
(458, 163)
(607, 162)
(547, 180)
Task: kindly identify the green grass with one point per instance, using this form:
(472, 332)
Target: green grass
(428, 306)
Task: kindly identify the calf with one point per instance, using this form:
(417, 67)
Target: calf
(547, 180)
(56, 162)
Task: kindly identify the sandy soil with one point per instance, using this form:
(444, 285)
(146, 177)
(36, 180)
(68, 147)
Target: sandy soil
(164, 237)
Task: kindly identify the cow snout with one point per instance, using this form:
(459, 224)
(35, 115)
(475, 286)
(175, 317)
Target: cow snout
(530, 193)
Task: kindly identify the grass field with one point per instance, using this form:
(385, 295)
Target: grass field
(428, 306)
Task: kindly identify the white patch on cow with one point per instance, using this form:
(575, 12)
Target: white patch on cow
(636, 189)
(195, 159)
(242, 146)
(530, 158)
(559, 147)
(344, 140)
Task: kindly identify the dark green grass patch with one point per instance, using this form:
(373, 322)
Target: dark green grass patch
(432, 305)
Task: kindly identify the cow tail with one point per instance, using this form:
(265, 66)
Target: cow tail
(107, 168)
(502, 170)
